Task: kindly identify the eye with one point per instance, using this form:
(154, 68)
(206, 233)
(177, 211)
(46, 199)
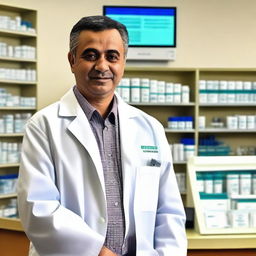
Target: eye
(90, 56)
(112, 57)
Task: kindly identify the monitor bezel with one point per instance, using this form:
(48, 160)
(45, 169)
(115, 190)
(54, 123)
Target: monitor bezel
(149, 7)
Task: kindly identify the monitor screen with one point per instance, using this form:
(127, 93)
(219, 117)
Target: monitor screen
(147, 26)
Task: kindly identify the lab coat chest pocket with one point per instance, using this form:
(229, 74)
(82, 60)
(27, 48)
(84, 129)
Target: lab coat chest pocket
(146, 189)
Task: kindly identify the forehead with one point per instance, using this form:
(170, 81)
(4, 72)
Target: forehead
(101, 40)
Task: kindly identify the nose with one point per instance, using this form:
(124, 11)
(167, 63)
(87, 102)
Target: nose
(101, 65)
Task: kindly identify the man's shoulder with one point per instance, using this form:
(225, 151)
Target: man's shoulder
(52, 110)
(44, 116)
(49, 110)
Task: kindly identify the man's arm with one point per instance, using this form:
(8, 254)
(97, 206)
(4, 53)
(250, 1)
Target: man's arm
(52, 228)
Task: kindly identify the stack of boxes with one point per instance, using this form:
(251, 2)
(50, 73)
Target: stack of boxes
(228, 198)
(144, 90)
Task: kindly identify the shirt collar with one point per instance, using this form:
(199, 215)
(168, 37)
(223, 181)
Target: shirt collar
(89, 110)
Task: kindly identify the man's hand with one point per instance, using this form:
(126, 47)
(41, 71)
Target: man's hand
(106, 252)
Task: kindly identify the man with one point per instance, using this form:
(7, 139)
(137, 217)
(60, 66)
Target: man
(96, 176)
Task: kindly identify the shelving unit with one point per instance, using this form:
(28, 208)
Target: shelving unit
(163, 110)
(21, 36)
(210, 110)
(191, 77)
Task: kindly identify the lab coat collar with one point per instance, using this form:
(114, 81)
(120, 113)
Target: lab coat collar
(125, 109)
(69, 106)
(81, 129)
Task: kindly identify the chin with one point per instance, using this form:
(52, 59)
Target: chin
(103, 92)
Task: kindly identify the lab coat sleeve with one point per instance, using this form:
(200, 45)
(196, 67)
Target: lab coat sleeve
(170, 235)
(52, 228)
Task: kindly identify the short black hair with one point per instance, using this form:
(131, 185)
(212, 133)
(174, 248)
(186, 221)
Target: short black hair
(97, 23)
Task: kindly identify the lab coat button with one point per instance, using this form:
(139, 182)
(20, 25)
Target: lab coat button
(116, 203)
(102, 220)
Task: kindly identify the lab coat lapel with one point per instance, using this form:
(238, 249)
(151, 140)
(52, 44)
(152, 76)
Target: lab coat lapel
(127, 150)
(81, 129)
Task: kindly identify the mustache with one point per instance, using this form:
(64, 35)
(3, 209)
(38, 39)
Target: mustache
(96, 74)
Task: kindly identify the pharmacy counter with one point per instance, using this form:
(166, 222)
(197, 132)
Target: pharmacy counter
(217, 245)
(198, 245)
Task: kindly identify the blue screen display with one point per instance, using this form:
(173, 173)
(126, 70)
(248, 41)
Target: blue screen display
(147, 26)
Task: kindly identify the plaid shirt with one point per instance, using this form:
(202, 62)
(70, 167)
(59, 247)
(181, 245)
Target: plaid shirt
(106, 132)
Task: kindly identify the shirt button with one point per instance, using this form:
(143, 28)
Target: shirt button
(116, 203)
(109, 154)
(102, 220)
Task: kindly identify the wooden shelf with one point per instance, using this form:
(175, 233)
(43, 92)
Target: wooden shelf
(11, 224)
(227, 104)
(243, 197)
(17, 108)
(162, 104)
(225, 130)
(181, 162)
(4, 196)
(221, 70)
(11, 8)
(20, 82)
(14, 33)
(16, 59)
(157, 69)
(179, 131)
(9, 165)
(11, 134)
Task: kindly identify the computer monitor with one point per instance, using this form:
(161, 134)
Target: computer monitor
(152, 30)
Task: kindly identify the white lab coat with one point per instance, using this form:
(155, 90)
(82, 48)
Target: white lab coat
(61, 191)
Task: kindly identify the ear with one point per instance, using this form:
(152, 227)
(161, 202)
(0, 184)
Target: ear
(71, 59)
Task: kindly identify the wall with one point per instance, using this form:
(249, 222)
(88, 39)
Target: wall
(211, 33)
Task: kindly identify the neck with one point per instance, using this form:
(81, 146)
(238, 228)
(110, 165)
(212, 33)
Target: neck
(101, 103)
(103, 106)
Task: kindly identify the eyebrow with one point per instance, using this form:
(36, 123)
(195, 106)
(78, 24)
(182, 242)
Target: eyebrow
(114, 51)
(89, 50)
(96, 51)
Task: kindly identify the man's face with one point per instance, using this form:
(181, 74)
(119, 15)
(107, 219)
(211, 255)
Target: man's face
(98, 64)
